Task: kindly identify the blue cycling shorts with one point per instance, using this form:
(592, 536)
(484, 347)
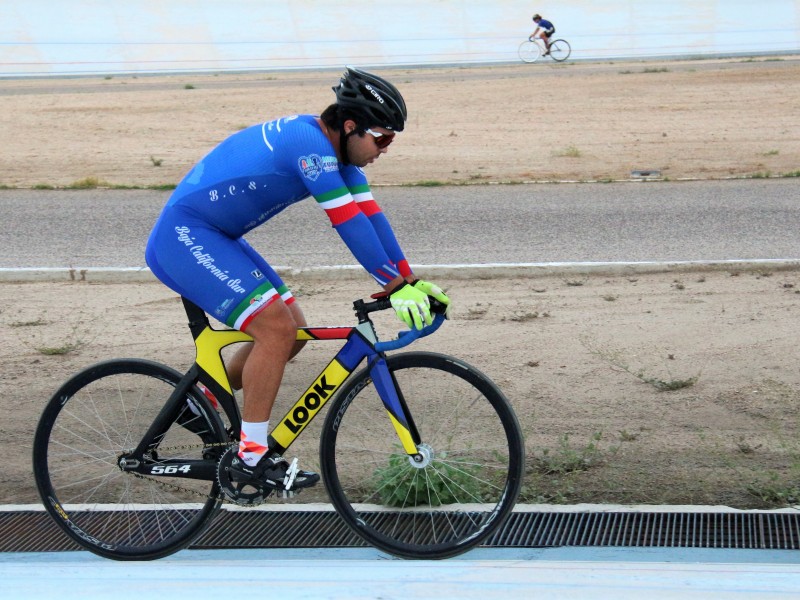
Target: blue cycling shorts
(224, 276)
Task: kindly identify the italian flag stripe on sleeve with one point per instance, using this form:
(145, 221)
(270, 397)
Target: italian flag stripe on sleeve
(334, 198)
(363, 197)
(340, 214)
(369, 207)
(338, 205)
(361, 191)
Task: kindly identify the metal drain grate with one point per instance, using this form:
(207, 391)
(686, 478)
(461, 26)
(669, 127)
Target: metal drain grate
(681, 530)
(34, 531)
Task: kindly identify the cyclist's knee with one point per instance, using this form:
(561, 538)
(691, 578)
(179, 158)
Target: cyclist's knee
(274, 325)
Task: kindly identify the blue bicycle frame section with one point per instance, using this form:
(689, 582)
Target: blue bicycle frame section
(357, 348)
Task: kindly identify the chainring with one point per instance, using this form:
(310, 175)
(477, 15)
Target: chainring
(243, 494)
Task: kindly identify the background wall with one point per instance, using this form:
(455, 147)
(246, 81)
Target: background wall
(55, 37)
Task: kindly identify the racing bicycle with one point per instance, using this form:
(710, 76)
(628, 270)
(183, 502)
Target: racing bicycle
(532, 50)
(420, 453)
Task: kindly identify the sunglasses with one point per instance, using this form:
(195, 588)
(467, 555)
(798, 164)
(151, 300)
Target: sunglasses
(382, 140)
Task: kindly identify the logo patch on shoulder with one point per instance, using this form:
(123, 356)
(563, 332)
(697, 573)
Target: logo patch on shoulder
(330, 164)
(311, 166)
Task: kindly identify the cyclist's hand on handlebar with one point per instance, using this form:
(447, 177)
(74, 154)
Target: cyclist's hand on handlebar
(411, 305)
(435, 292)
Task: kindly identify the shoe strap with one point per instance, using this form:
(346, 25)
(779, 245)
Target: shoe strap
(268, 461)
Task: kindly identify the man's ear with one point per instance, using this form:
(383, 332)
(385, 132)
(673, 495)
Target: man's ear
(349, 126)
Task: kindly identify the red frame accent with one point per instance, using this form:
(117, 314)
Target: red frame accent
(328, 333)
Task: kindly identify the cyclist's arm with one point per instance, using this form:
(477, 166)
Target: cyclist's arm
(362, 194)
(360, 236)
(386, 234)
(308, 154)
(354, 227)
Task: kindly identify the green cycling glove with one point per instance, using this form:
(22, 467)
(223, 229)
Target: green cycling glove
(435, 292)
(411, 305)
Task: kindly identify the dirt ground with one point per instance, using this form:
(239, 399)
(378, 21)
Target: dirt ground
(582, 357)
(711, 118)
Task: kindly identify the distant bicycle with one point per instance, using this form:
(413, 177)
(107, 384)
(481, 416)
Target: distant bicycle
(532, 49)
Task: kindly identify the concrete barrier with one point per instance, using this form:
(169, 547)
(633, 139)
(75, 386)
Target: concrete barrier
(58, 37)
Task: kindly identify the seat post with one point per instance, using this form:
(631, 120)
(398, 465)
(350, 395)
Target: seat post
(198, 320)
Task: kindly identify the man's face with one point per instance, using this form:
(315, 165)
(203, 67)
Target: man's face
(366, 148)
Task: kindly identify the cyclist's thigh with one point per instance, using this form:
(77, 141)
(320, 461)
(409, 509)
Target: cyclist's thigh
(221, 275)
(267, 270)
(276, 281)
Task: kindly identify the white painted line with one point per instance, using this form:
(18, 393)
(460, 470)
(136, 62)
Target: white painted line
(456, 271)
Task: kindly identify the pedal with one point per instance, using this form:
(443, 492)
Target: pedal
(291, 475)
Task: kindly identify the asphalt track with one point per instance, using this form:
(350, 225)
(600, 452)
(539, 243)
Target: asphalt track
(521, 227)
(455, 225)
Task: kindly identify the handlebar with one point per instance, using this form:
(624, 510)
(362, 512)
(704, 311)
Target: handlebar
(407, 336)
(364, 308)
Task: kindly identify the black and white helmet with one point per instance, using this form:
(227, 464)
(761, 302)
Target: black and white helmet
(379, 101)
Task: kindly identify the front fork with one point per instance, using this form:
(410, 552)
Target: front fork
(395, 404)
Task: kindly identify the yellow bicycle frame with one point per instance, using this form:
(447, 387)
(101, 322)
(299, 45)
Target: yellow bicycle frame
(360, 344)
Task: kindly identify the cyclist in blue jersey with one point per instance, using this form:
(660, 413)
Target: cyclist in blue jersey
(197, 249)
(547, 30)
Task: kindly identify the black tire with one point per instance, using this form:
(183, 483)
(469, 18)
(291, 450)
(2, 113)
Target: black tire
(529, 51)
(99, 414)
(560, 50)
(466, 490)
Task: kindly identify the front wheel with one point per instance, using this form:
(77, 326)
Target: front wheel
(87, 429)
(465, 479)
(529, 51)
(560, 50)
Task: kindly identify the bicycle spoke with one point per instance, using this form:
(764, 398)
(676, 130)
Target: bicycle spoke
(101, 415)
(464, 479)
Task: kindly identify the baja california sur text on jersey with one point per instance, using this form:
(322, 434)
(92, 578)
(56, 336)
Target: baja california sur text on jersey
(259, 171)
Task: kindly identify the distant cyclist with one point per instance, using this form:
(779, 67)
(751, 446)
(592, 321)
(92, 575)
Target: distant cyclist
(197, 249)
(547, 30)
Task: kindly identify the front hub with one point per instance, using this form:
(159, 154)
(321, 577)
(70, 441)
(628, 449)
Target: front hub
(422, 458)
